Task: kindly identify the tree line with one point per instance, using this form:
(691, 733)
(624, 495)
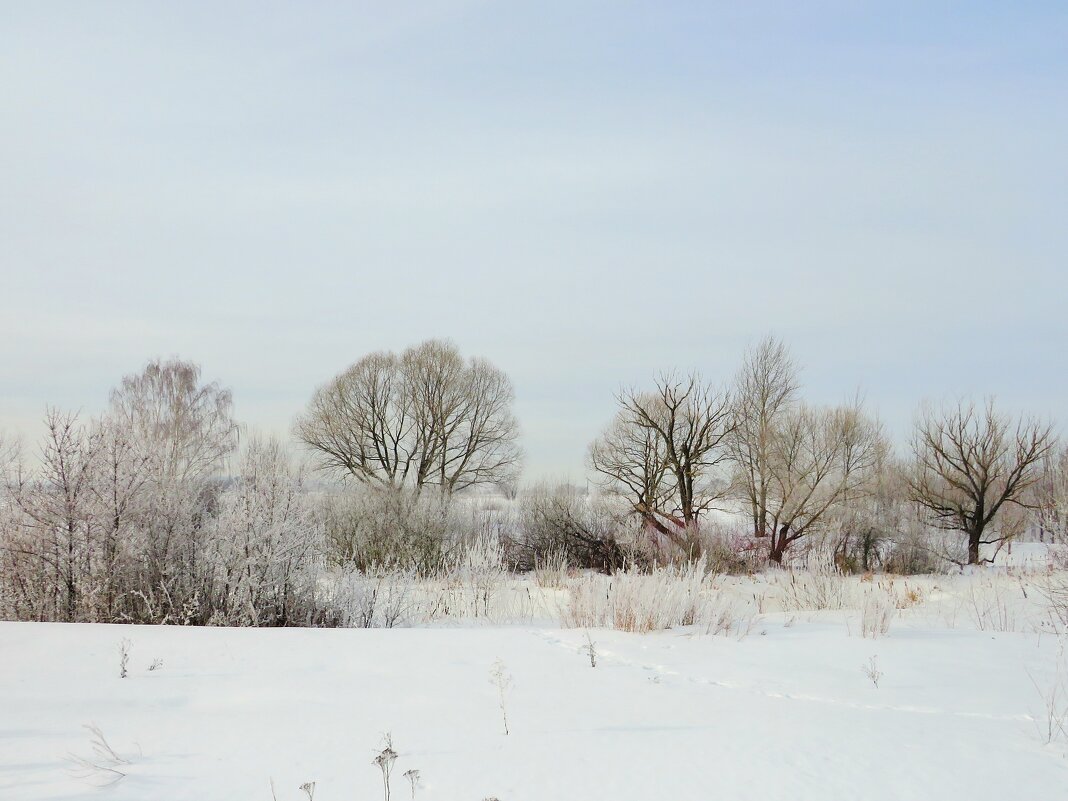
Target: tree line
(156, 511)
(687, 446)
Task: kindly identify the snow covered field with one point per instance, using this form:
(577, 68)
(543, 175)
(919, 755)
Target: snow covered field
(781, 708)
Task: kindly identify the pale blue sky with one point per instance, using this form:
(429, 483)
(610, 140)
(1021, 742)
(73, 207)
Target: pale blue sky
(585, 193)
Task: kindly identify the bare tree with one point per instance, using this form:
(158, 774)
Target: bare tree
(818, 459)
(424, 418)
(794, 464)
(1050, 497)
(662, 450)
(765, 393)
(692, 421)
(971, 464)
(632, 463)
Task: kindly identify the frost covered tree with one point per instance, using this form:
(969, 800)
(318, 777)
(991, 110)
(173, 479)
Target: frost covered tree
(180, 431)
(120, 502)
(877, 527)
(108, 525)
(51, 537)
(972, 465)
(425, 417)
(265, 543)
(9, 455)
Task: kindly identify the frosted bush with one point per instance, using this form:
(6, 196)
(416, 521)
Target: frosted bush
(379, 598)
(373, 527)
(476, 576)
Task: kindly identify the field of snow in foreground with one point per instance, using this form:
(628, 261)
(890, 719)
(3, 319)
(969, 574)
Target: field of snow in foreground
(784, 713)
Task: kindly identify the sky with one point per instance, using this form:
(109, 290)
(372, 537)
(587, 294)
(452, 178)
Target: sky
(585, 193)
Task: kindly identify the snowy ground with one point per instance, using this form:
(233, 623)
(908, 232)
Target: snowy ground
(786, 712)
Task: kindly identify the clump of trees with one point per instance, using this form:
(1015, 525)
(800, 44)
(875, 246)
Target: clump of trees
(794, 463)
(686, 448)
(559, 524)
(126, 517)
(154, 511)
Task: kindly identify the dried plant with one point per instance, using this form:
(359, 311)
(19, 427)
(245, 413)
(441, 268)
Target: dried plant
(877, 609)
(124, 657)
(105, 766)
(502, 680)
(1053, 724)
(413, 780)
(591, 650)
(631, 600)
(385, 760)
(872, 671)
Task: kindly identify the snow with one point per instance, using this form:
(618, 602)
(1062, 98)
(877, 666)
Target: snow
(786, 712)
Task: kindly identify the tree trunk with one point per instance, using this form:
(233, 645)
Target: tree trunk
(779, 541)
(973, 547)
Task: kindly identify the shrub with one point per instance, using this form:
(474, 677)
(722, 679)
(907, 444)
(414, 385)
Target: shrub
(557, 523)
(731, 550)
(386, 527)
(378, 598)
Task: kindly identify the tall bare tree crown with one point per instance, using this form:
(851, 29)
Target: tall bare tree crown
(971, 462)
(425, 417)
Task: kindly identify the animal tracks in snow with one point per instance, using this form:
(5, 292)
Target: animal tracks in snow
(662, 674)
